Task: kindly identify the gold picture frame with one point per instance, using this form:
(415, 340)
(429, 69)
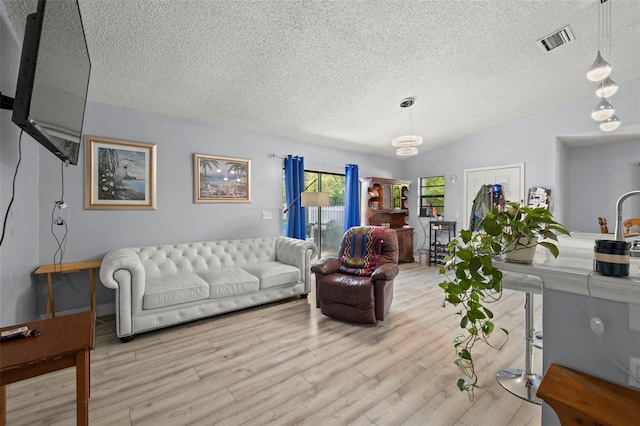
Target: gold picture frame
(221, 179)
(119, 174)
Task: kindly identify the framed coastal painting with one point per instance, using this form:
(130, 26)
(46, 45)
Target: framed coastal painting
(221, 179)
(119, 175)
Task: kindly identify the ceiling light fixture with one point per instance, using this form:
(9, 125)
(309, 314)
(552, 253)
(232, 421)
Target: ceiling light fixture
(407, 140)
(603, 110)
(607, 88)
(406, 144)
(407, 150)
(600, 70)
(610, 124)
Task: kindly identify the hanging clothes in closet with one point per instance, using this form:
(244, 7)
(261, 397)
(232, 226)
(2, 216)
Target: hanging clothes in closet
(488, 197)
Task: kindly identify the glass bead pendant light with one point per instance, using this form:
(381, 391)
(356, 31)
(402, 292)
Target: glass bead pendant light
(603, 110)
(607, 88)
(407, 150)
(600, 69)
(610, 124)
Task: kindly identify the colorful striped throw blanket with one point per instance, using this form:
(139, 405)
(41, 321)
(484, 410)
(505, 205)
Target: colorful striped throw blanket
(361, 251)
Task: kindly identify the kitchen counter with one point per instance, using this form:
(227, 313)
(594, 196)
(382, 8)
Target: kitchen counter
(572, 271)
(568, 309)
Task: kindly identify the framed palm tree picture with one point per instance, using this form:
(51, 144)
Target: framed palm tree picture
(221, 179)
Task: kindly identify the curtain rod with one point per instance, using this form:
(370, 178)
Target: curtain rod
(274, 155)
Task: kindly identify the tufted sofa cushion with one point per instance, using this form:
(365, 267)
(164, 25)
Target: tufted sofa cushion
(230, 282)
(173, 290)
(273, 274)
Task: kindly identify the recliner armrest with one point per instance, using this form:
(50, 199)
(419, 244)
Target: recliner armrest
(387, 272)
(326, 266)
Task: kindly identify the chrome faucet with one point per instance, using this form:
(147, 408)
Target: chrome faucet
(619, 235)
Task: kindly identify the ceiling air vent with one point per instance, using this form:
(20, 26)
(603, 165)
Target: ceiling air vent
(556, 39)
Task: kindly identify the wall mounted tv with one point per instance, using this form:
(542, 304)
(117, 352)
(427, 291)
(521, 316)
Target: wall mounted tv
(53, 78)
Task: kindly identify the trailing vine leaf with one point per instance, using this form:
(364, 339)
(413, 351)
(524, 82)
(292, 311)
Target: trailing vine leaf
(471, 281)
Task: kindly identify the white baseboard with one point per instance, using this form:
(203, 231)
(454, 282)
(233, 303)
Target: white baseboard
(101, 310)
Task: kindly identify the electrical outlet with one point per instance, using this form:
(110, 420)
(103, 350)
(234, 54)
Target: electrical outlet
(634, 369)
(266, 215)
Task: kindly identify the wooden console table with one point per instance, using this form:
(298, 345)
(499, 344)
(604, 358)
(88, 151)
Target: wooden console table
(65, 268)
(63, 342)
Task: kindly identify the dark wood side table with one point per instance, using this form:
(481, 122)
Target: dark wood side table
(63, 342)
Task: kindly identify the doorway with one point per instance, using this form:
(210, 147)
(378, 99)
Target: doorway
(510, 176)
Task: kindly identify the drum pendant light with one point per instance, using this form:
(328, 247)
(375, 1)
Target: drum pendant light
(406, 144)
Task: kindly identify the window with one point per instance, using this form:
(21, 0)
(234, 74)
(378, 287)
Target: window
(431, 196)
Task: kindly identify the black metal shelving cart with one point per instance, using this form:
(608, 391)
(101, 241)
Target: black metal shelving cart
(440, 234)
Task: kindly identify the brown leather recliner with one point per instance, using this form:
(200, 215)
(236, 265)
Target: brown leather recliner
(359, 299)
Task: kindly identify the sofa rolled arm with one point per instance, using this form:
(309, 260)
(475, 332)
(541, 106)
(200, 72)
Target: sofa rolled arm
(298, 253)
(115, 260)
(386, 272)
(326, 266)
(123, 271)
(292, 250)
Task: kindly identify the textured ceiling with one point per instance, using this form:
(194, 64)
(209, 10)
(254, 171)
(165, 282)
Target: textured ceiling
(334, 72)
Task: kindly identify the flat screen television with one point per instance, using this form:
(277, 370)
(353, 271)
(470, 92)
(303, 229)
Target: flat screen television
(53, 79)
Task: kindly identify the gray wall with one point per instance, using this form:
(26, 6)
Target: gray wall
(19, 251)
(177, 219)
(534, 141)
(598, 176)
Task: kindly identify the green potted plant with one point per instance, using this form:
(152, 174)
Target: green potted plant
(521, 229)
(472, 281)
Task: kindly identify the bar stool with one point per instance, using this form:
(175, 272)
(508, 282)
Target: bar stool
(523, 383)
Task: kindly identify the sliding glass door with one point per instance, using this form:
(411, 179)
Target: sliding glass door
(325, 225)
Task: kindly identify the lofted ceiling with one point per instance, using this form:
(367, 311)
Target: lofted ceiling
(334, 72)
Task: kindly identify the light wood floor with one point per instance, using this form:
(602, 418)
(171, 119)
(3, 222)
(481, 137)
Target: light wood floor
(286, 363)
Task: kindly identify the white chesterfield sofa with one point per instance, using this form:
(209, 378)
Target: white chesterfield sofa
(165, 285)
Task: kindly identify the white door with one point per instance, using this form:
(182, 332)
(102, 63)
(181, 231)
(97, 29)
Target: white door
(510, 176)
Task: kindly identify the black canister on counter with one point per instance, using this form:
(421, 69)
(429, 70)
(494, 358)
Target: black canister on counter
(611, 257)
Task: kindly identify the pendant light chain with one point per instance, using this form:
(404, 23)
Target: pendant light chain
(609, 32)
(599, 23)
(410, 122)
